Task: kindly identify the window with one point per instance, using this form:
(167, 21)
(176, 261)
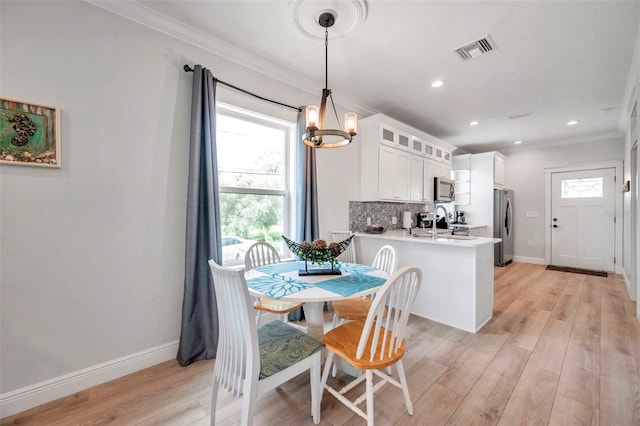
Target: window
(254, 172)
(582, 188)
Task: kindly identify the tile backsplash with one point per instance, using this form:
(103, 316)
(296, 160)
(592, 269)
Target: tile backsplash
(381, 213)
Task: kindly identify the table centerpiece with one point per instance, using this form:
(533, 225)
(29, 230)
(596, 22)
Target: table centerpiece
(319, 253)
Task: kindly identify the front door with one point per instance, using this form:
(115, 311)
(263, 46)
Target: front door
(582, 219)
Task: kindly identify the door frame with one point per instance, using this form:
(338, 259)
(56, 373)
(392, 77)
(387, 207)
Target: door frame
(618, 196)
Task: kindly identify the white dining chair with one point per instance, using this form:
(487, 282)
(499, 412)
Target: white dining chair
(261, 254)
(375, 343)
(251, 361)
(349, 255)
(357, 308)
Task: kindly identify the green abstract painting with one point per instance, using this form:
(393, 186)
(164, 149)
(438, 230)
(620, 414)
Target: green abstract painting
(29, 134)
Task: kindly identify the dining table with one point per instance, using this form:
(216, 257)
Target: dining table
(287, 281)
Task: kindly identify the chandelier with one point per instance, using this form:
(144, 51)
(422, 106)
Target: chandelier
(316, 135)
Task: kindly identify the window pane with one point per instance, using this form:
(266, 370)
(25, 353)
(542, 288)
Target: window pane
(250, 155)
(582, 188)
(247, 218)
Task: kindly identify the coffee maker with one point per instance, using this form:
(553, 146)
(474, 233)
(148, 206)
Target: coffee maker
(460, 217)
(424, 221)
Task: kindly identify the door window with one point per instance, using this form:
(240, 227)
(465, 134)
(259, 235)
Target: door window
(582, 188)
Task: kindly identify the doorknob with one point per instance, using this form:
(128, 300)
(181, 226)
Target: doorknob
(555, 219)
(557, 226)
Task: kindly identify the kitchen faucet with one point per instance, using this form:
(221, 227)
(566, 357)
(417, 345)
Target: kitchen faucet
(436, 206)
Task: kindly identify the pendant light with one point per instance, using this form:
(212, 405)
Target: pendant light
(316, 135)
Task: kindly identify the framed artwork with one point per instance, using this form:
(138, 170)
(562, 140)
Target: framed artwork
(29, 133)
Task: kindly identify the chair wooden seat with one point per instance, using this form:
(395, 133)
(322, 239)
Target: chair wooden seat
(275, 306)
(344, 341)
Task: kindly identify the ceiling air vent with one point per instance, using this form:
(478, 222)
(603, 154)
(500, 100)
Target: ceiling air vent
(476, 48)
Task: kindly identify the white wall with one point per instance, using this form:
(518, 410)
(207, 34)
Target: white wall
(525, 175)
(92, 254)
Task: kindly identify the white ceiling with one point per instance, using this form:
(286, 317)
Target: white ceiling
(556, 60)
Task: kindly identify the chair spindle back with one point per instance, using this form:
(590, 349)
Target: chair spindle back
(397, 296)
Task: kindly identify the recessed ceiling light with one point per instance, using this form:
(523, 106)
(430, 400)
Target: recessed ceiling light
(437, 83)
(572, 123)
(517, 142)
(474, 123)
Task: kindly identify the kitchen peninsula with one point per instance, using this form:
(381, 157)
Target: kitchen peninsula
(457, 274)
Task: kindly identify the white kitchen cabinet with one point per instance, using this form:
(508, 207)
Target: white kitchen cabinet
(442, 155)
(416, 173)
(498, 171)
(483, 169)
(427, 179)
(396, 160)
(393, 174)
(391, 136)
(442, 170)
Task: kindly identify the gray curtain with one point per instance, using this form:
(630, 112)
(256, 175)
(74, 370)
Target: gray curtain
(307, 195)
(307, 187)
(199, 330)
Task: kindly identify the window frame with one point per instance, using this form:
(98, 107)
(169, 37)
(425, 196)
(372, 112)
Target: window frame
(289, 192)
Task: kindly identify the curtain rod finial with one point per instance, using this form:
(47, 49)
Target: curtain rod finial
(187, 68)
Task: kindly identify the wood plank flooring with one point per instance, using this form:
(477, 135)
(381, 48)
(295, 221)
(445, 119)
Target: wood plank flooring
(561, 349)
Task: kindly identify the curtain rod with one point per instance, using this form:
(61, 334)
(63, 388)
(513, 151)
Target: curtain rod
(187, 68)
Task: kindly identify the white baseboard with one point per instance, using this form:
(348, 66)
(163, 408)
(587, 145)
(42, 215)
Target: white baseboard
(31, 396)
(535, 260)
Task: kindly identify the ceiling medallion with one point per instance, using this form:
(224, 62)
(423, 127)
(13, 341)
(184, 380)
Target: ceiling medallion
(349, 14)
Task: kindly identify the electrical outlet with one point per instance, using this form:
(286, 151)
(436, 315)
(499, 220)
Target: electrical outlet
(368, 221)
(394, 220)
(530, 243)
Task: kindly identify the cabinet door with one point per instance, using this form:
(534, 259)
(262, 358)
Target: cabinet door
(404, 141)
(415, 178)
(386, 160)
(442, 170)
(429, 150)
(393, 174)
(388, 135)
(401, 175)
(427, 179)
(439, 153)
(417, 146)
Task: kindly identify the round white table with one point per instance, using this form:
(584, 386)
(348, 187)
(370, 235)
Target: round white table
(282, 281)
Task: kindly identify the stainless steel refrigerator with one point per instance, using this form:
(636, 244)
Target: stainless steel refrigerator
(503, 226)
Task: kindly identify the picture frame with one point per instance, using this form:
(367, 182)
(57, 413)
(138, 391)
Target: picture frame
(29, 133)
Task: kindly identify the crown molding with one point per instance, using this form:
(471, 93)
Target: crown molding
(150, 18)
(596, 137)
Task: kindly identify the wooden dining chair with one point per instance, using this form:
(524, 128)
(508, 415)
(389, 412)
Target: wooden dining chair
(375, 343)
(358, 308)
(261, 254)
(251, 361)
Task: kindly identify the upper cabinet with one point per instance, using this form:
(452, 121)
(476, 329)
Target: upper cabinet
(498, 171)
(398, 162)
(391, 136)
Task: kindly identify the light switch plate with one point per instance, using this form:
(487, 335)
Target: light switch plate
(532, 213)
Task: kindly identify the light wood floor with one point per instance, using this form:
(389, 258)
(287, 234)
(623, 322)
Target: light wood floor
(561, 349)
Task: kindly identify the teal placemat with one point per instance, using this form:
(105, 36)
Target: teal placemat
(277, 286)
(346, 285)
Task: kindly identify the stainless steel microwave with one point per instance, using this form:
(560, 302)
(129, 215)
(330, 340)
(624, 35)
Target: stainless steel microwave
(444, 189)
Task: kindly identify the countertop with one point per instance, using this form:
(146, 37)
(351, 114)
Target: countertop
(420, 238)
